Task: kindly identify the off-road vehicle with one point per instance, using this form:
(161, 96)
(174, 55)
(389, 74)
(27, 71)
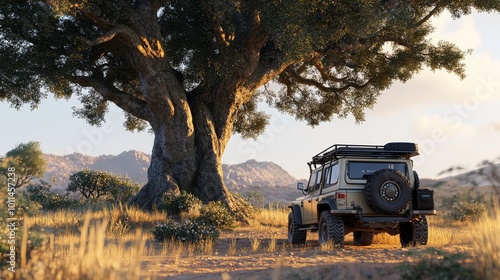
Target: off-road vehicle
(363, 189)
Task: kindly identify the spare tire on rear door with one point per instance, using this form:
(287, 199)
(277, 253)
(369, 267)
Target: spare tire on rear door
(387, 191)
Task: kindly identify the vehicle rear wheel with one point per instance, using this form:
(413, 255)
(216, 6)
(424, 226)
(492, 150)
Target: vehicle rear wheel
(414, 233)
(331, 229)
(295, 235)
(363, 238)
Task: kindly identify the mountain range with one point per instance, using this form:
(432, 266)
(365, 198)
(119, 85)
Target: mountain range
(267, 178)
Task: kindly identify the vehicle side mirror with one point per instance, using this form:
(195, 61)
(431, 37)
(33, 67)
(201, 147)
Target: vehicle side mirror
(300, 186)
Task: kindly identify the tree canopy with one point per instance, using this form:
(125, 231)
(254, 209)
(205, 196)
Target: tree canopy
(191, 69)
(28, 161)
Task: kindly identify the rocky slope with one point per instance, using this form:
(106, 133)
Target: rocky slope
(267, 178)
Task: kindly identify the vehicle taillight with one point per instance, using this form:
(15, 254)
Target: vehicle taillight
(341, 195)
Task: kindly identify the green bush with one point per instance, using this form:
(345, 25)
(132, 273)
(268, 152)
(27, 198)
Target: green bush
(175, 204)
(187, 231)
(256, 199)
(467, 211)
(217, 214)
(40, 193)
(100, 185)
(465, 207)
(7, 219)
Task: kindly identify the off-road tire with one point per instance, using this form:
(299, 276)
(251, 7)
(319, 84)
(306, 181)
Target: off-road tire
(379, 187)
(331, 229)
(416, 179)
(363, 238)
(401, 146)
(295, 235)
(414, 233)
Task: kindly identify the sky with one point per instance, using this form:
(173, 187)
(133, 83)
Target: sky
(454, 122)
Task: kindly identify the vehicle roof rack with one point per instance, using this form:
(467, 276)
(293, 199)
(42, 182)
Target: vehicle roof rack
(393, 150)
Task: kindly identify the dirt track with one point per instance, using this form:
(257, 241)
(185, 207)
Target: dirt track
(379, 261)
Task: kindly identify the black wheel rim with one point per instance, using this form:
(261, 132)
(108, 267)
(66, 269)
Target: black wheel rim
(323, 235)
(390, 191)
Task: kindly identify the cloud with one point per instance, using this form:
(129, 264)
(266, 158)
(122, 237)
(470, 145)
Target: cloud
(446, 125)
(462, 32)
(440, 87)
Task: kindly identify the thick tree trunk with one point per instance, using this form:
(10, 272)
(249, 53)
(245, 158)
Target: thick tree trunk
(192, 162)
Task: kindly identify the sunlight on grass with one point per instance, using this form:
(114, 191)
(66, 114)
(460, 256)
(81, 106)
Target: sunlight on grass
(89, 256)
(276, 217)
(486, 246)
(110, 243)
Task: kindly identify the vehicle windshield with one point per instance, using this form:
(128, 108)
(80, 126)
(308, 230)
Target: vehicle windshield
(361, 170)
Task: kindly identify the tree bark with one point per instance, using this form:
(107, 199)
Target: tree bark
(187, 153)
(191, 133)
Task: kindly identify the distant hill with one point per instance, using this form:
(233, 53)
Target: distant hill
(267, 178)
(132, 163)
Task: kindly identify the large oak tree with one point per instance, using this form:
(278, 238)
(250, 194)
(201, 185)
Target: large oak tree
(190, 70)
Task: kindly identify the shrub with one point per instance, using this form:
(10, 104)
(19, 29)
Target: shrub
(175, 204)
(100, 185)
(22, 207)
(41, 194)
(465, 206)
(187, 231)
(217, 214)
(256, 199)
(467, 211)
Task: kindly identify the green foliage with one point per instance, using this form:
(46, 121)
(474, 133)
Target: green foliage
(100, 185)
(40, 193)
(326, 61)
(216, 213)
(439, 265)
(465, 206)
(256, 199)
(187, 231)
(251, 123)
(175, 204)
(22, 207)
(28, 161)
(213, 213)
(467, 211)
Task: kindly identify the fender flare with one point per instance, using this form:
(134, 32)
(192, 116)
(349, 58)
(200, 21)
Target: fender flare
(325, 204)
(296, 212)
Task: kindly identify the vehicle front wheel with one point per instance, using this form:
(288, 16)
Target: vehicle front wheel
(414, 233)
(295, 235)
(363, 238)
(331, 229)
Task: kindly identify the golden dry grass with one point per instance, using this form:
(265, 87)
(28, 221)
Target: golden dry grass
(85, 246)
(486, 246)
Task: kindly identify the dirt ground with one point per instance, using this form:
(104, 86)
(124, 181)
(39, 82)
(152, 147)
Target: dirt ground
(233, 258)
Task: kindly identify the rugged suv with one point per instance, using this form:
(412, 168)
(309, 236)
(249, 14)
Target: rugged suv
(363, 189)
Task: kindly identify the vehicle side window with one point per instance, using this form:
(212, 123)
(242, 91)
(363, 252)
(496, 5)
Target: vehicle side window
(318, 181)
(312, 182)
(333, 175)
(327, 175)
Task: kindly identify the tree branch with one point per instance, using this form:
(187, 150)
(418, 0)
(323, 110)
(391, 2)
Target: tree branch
(133, 39)
(127, 102)
(222, 39)
(310, 82)
(437, 9)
